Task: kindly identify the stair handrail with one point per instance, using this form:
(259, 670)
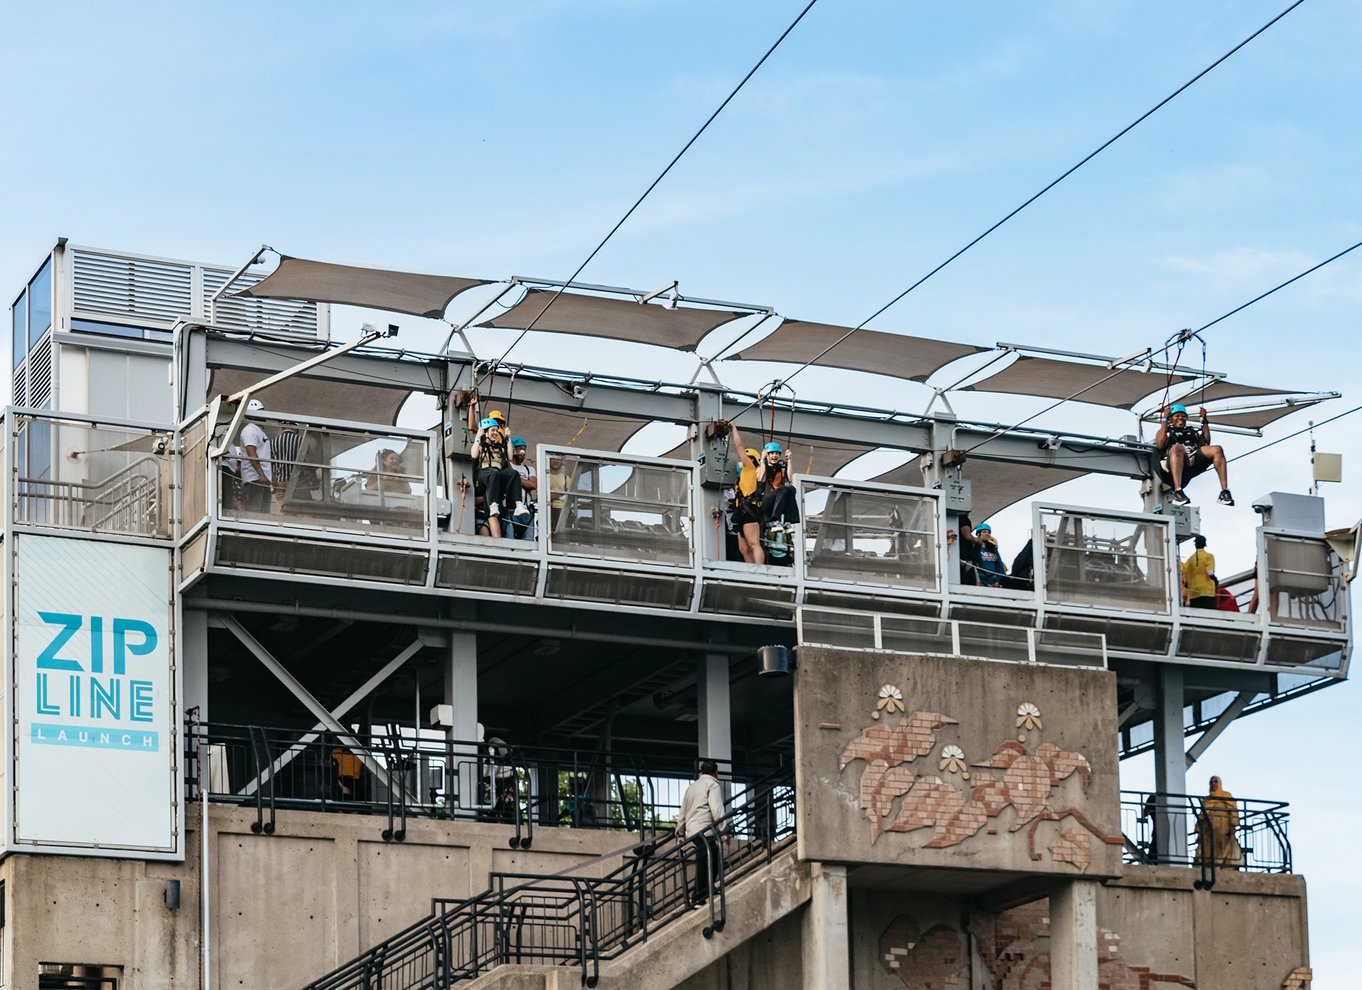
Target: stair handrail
(662, 900)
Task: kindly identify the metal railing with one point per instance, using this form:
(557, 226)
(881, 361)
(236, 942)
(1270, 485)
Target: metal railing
(565, 919)
(402, 775)
(127, 502)
(1207, 833)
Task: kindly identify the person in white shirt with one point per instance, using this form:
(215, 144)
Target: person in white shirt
(701, 806)
(256, 480)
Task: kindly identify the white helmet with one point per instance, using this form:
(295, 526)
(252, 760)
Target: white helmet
(255, 405)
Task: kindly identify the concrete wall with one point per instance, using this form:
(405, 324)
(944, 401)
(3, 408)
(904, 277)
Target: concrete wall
(286, 908)
(1154, 932)
(957, 764)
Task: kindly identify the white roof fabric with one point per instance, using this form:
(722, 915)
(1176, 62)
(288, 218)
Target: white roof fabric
(1256, 419)
(994, 485)
(564, 428)
(913, 358)
(1215, 391)
(613, 318)
(374, 288)
(1120, 389)
(324, 398)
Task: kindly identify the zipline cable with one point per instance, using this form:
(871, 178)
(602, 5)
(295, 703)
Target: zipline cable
(662, 175)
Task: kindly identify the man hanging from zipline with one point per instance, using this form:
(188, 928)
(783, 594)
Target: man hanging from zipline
(1185, 452)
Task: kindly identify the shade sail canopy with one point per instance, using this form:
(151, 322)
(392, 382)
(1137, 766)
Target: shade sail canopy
(374, 288)
(1215, 391)
(1093, 383)
(1256, 419)
(324, 398)
(563, 428)
(994, 485)
(614, 319)
(913, 358)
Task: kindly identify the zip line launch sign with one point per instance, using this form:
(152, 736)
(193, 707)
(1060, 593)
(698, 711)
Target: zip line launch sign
(94, 698)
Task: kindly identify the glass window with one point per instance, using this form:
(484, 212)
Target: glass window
(40, 303)
(20, 337)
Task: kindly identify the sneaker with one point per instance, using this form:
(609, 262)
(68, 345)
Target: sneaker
(494, 509)
(521, 513)
(1178, 497)
(1226, 498)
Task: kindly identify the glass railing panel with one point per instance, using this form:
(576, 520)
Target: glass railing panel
(91, 477)
(886, 538)
(622, 509)
(333, 478)
(193, 473)
(1305, 583)
(1107, 561)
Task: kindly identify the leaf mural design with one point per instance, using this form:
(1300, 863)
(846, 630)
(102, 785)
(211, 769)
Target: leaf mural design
(928, 802)
(1028, 788)
(880, 785)
(991, 795)
(1004, 756)
(1063, 764)
(1073, 846)
(911, 738)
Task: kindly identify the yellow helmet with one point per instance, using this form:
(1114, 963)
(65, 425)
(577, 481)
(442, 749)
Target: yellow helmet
(498, 415)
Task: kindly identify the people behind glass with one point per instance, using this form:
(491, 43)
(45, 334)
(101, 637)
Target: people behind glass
(558, 486)
(499, 485)
(991, 569)
(1199, 583)
(386, 477)
(256, 481)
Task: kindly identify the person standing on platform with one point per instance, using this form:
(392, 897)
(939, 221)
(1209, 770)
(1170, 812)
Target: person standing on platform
(1198, 577)
(992, 570)
(256, 471)
(701, 806)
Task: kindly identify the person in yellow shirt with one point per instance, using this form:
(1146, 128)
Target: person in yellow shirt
(1198, 577)
(747, 503)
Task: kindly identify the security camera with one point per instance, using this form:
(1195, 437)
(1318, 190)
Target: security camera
(1049, 443)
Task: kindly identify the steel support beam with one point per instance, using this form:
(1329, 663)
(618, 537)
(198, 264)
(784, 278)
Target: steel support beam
(1170, 766)
(1222, 722)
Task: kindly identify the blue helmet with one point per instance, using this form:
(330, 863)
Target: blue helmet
(772, 448)
(487, 424)
(1177, 407)
(984, 528)
(518, 442)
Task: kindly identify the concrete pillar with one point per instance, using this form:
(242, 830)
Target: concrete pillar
(827, 947)
(461, 693)
(1073, 936)
(1170, 767)
(715, 716)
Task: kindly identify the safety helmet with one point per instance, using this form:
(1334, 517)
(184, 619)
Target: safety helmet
(497, 414)
(984, 528)
(772, 448)
(752, 453)
(255, 405)
(1177, 407)
(518, 442)
(487, 423)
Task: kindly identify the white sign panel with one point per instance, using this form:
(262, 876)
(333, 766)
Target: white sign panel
(94, 696)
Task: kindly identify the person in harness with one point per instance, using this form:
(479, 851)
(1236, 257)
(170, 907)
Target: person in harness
(1185, 452)
(779, 506)
(497, 479)
(747, 502)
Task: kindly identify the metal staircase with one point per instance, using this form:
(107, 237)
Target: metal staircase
(563, 919)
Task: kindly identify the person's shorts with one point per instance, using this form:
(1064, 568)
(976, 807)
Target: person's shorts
(1196, 463)
(744, 514)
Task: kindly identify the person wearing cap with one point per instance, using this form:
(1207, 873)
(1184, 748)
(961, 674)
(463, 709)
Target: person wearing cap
(257, 486)
(702, 808)
(497, 479)
(991, 566)
(1185, 452)
(747, 502)
(1198, 576)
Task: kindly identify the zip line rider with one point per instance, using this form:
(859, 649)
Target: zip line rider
(498, 479)
(1185, 452)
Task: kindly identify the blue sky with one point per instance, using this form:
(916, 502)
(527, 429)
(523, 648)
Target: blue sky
(496, 139)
